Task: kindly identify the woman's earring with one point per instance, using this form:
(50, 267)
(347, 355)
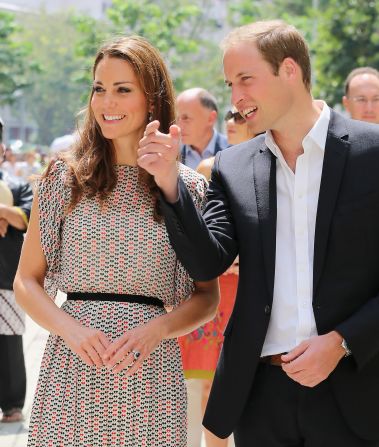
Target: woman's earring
(150, 117)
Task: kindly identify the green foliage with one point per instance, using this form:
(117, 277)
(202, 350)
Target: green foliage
(342, 35)
(53, 99)
(348, 37)
(177, 28)
(243, 12)
(91, 33)
(13, 60)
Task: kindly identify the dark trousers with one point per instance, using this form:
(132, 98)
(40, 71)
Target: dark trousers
(12, 372)
(282, 413)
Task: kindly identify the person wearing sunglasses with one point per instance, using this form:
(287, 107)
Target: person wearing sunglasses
(237, 129)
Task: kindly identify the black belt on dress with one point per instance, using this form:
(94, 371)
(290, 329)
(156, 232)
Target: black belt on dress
(121, 297)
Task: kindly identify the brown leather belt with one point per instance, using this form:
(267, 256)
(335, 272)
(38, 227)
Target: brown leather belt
(275, 359)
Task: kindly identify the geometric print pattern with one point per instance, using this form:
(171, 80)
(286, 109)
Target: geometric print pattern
(117, 248)
(77, 405)
(12, 317)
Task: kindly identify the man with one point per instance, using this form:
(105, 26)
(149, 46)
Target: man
(15, 204)
(361, 98)
(301, 207)
(197, 116)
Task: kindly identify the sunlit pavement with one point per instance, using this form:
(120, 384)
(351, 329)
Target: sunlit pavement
(16, 434)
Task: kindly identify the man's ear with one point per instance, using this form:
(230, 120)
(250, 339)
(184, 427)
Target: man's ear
(289, 67)
(213, 117)
(345, 103)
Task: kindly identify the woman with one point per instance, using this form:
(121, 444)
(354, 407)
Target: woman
(111, 373)
(201, 348)
(237, 131)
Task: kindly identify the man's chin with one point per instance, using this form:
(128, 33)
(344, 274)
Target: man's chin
(370, 119)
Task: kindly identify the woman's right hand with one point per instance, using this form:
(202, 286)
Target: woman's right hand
(88, 343)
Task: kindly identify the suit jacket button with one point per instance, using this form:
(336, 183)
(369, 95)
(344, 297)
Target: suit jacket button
(267, 309)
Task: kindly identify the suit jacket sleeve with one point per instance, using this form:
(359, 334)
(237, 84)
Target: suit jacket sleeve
(361, 332)
(205, 244)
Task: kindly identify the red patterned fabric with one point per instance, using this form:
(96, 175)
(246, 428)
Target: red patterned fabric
(201, 348)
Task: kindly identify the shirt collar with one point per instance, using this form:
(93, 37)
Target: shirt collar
(316, 136)
(209, 148)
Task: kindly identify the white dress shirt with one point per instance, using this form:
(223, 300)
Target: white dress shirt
(292, 319)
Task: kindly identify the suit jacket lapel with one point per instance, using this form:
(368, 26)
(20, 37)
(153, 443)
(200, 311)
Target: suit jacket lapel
(336, 151)
(265, 189)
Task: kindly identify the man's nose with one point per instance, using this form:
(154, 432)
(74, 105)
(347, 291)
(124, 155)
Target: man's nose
(369, 105)
(236, 96)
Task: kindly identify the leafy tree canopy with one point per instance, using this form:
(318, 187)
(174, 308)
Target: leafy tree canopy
(178, 28)
(53, 100)
(348, 37)
(14, 61)
(342, 35)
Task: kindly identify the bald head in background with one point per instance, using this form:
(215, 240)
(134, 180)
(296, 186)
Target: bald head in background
(361, 98)
(197, 117)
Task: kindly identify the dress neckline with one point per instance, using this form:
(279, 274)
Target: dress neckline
(126, 166)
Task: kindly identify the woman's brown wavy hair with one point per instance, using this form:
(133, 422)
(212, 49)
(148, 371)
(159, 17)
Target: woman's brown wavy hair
(92, 159)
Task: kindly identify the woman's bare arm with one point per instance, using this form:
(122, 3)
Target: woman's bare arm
(88, 343)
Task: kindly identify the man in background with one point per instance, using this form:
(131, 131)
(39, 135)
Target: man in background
(15, 204)
(197, 117)
(361, 98)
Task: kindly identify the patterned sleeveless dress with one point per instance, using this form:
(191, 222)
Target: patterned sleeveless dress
(118, 248)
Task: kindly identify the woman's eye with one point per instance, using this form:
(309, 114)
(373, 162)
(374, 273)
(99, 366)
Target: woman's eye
(98, 89)
(124, 90)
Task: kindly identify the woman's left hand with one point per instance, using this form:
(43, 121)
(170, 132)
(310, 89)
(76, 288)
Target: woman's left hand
(132, 348)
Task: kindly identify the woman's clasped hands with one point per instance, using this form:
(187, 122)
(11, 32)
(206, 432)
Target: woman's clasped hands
(127, 352)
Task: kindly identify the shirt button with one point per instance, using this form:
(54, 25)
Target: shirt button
(267, 309)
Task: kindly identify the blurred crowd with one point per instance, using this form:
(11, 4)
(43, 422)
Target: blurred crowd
(26, 165)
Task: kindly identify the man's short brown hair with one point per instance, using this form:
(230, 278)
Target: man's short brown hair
(275, 40)
(356, 72)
